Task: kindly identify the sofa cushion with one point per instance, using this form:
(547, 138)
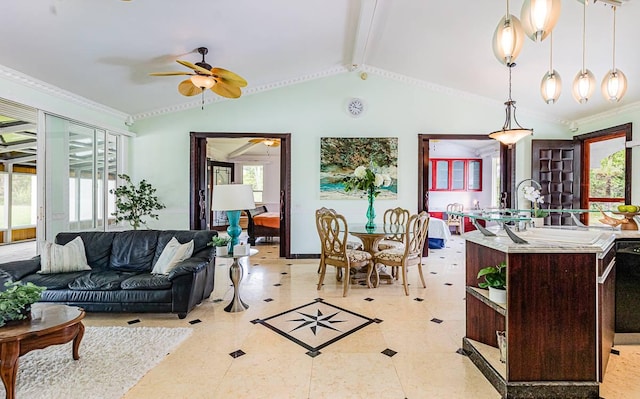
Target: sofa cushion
(70, 257)
(133, 250)
(53, 281)
(146, 282)
(172, 254)
(105, 280)
(200, 240)
(97, 246)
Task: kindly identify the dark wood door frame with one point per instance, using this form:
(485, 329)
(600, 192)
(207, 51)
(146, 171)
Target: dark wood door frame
(197, 179)
(507, 163)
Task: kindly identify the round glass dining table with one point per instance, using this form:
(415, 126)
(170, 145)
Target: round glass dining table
(370, 238)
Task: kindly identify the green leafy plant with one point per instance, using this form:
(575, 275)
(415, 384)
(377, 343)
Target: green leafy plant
(16, 300)
(133, 203)
(494, 276)
(218, 241)
(365, 179)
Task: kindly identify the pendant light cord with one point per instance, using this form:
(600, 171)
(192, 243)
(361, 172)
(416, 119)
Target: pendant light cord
(508, 14)
(614, 38)
(584, 32)
(551, 53)
(510, 66)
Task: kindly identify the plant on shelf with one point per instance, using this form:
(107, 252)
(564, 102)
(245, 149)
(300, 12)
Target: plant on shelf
(495, 278)
(536, 200)
(133, 203)
(16, 300)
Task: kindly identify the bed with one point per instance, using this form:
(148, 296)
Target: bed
(262, 223)
(438, 233)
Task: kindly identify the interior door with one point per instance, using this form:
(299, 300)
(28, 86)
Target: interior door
(555, 164)
(217, 173)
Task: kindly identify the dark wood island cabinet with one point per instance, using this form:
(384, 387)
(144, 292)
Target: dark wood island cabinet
(559, 317)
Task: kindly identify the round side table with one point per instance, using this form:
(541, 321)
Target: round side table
(235, 274)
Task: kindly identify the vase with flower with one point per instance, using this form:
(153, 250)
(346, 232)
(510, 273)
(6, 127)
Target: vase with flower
(537, 213)
(367, 180)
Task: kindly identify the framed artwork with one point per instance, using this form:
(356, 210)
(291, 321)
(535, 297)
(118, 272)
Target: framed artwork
(340, 156)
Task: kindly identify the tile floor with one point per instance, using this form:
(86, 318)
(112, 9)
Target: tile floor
(419, 334)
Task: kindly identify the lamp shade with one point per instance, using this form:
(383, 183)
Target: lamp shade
(539, 17)
(614, 85)
(508, 39)
(232, 197)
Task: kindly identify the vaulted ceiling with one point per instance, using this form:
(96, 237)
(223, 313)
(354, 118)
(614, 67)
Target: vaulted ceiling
(104, 50)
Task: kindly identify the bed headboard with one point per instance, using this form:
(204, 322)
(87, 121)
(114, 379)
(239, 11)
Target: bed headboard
(256, 211)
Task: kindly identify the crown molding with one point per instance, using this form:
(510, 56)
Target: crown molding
(54, 91)
(632, 107)
(247, 92)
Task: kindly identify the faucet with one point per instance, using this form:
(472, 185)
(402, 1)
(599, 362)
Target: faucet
(517, 208)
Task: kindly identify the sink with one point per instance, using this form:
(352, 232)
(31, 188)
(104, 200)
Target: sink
(559, 235)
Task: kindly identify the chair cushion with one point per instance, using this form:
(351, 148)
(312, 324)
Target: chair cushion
(393, 255)
(390, 244)
(66, 258)
(354, 245)
(354, 256)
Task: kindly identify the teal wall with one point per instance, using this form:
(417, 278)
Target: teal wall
(309, 111)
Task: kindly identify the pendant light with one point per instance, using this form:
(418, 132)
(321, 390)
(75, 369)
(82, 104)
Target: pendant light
(539, 17)
(614, 84)
(551, 84)
(584, 83)
(510, 134)
(508, 38)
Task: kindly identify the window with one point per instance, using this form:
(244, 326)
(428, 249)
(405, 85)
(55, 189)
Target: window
(456, 175)
(606, 174)
(254, 176)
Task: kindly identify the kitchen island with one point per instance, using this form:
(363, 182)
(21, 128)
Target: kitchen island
(559, 317)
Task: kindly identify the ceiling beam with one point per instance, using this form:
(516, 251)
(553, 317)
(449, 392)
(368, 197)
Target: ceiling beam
(363, 32)
(241, 150)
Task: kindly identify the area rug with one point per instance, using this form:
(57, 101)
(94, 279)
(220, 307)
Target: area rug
(112, 360)
(316, 325)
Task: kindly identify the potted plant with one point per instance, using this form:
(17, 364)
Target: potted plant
(16, 300)
(133, 203)
(495, 278)
(220, 243)
(537, 214)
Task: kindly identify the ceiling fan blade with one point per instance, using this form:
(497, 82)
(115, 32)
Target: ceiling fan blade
(256, 141)
(225, 90)
(169, 73)
(229, 77)
(186, 88)
(194, 67)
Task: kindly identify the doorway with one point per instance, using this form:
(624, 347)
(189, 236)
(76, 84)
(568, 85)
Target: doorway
(198, 181)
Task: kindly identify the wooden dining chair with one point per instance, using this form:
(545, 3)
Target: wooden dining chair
(333, 232)
(350, 244)
(392, 216)
(454, 220)
(415, 236)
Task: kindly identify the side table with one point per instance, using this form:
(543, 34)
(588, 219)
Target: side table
(236, 272)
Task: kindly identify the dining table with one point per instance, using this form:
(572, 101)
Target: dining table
(371, 236)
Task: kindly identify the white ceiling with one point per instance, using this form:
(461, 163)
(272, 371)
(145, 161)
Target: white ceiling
(103, 50)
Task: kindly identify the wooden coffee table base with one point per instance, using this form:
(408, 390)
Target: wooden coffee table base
(28, 335)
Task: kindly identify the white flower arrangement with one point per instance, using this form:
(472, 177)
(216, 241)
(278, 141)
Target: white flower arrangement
(365, 179)
(533, 195)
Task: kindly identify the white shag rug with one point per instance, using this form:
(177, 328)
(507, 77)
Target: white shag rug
(112, 360)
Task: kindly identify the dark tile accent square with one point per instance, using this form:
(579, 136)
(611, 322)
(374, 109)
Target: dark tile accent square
(615, 352)
(438, 321)
(448, 284)
(419, 299)
(433, 272)
(268, 300)
(217, 300)
(377, 321)
(264, 257)
(133, 321)
(289, 264)
(313, 353)
(369, 299)
(284, 273)
(195, 321)
(318, 300)
(277, 285)
(462, 352)
(237, 353)
(389, 352)
(255, 321)
(454, 264)
(442, 257)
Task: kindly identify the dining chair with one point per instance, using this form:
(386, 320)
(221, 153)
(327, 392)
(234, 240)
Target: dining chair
(333, 232)
(414, 238)
(452, 219)
(350, 244)
(397, 216)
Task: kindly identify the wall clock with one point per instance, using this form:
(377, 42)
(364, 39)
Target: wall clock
(355, 107)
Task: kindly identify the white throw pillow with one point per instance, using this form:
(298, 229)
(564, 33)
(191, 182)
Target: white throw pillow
(55, 258)
(172, 254)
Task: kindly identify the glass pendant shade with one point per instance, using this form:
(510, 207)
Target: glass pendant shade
(583, 86)
(551, 87)
(203, 82)
(510, 136)
(508, 39)
(614, 85)
(539, 17)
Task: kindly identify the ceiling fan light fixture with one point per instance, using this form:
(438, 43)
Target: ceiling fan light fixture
(269, 142)
(202, 81)
(539, 17)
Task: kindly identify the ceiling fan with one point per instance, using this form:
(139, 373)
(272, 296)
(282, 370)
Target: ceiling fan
(222, 82)
(266, 141)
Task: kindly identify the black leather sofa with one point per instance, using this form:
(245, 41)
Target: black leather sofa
(121, 279)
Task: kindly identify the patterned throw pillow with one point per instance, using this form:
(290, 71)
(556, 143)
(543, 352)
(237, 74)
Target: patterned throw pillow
(172, 254)
(55, 258)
